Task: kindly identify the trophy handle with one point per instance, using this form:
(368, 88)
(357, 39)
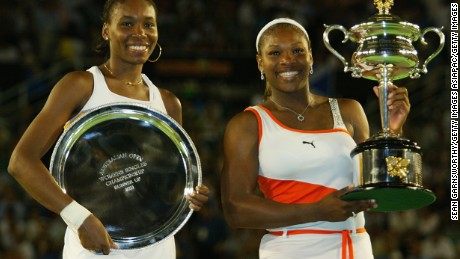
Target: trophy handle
(356, 72)
(416, 72)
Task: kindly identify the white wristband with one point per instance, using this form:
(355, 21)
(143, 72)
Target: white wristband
(74, 214)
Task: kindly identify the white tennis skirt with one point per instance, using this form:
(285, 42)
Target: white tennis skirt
(73, 249)
(314, 246)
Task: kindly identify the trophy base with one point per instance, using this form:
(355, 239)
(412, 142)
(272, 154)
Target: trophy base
(392, 198)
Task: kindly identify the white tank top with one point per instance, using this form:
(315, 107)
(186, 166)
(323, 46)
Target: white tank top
(303, 166)
(101, 96)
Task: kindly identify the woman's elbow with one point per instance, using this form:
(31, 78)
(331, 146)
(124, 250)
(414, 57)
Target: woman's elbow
(233, 215)
(14, 165)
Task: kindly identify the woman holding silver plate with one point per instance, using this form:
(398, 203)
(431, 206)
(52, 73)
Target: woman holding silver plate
(130, 32)
(295, 148)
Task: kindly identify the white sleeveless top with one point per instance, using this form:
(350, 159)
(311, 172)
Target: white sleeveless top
(303, 166)
(101, 96)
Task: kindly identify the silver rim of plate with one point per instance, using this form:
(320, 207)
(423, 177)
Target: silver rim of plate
(131, 166)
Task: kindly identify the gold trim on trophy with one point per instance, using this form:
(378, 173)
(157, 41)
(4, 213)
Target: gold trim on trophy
(397, 167)
(383, 7)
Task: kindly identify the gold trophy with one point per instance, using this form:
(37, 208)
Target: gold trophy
(388, 167)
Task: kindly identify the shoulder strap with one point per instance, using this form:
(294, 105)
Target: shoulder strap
(338, 122)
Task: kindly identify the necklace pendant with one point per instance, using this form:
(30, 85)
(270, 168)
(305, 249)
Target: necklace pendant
(300, 117)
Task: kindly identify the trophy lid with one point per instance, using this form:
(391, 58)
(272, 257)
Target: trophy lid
(382, 141)
(384, 23)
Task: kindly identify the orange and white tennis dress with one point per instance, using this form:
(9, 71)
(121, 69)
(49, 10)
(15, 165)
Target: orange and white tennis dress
(298, 166)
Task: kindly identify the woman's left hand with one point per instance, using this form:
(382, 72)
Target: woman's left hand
(398, 106)
(198, 198)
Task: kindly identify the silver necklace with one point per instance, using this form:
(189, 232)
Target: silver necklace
(300, 116)
(126, 82)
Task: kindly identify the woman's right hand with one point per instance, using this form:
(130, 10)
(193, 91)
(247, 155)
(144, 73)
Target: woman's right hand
(94, 237)
(333, 208)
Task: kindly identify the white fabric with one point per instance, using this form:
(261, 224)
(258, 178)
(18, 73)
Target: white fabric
(102, 94)
(313, 246)
(165, 249)
(277, 21)
(284, 156)
(74, 214)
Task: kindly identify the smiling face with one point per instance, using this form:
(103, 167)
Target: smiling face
(285, 58)
(132, 30)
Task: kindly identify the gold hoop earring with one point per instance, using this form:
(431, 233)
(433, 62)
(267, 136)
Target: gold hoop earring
(155, 60)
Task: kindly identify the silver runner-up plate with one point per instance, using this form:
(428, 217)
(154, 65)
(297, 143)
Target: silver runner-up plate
(132, 167)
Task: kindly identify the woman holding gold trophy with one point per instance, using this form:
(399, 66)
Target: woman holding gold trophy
(130, 32)
(295, 148)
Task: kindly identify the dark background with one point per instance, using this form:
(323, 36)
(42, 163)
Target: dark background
(208, 61)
